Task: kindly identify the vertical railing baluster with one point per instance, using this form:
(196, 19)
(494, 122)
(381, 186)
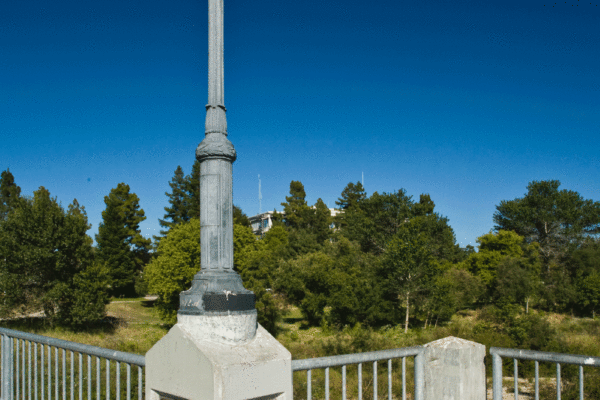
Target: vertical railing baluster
(359, 381)
(3, 356)
(558, 384)
(89, 377)
(327, 383)
(128, 381)
(308, 385)
(42, 374)
(516, 374)
(374, 380)
(118, 387)
(24, 377)
(80, 376)
(35, 370)
(23, 374)
(64, 373)
(581, 382)
(419, 378)
(403, 378)
(12, 369)
(72, 376)
(389, 379)
(23, 394)
(140, 375)
(49, 372)
(98, 378)
(344, 382)
(29, 370)
(497, 377)
(56, 384)
(17, 368)
(107, 379)
(537, 380)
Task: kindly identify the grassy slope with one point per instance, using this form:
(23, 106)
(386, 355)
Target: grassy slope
(133, 325)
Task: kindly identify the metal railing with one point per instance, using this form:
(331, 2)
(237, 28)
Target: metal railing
(537, 356)
(370, 357)
(31, 370)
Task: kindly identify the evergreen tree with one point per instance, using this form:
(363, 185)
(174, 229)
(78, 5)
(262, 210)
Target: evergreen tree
(120, 244)
(193, 191)
(377, 220)
(297, 212)
(239, 217)
(46, 262)
(351, 196)
(555, 219)
(9, 193)
(180, 203)
(321, 221)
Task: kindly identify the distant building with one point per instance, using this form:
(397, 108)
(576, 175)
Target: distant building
(261, 223)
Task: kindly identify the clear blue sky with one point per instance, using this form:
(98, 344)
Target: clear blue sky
(467, 101)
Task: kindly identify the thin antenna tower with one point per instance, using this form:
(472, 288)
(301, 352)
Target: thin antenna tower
(259, 197)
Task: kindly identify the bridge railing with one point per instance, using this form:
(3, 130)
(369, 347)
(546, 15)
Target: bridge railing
(35, 367)
(359, 359)
(537, 356)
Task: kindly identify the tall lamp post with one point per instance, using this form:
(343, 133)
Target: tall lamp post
(217, 350)
(217, 290)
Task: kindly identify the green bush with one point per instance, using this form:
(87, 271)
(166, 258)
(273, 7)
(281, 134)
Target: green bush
(172, 271)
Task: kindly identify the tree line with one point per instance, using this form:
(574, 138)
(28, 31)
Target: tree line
(389, 259)
(392, 259)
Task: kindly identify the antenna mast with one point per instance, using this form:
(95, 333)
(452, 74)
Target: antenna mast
(259, 197)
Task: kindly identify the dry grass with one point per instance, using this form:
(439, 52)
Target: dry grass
(131, 326)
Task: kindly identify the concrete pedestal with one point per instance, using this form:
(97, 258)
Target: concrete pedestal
(184, 365)
(454, 370)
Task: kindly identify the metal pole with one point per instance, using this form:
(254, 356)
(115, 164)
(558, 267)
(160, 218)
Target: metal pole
(419, 376)
(217, 288)
(497, 376)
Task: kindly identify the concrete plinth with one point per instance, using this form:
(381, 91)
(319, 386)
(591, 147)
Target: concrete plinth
(454, 370)
(182, 366)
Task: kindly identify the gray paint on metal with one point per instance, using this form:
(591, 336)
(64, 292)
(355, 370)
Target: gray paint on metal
(216, 155)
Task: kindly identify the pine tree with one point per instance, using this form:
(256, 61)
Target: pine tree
(296, 210)
(120, 244)
(321, 221)
(239, 217)
(184, 200)
(193, 190)
(351, 196)
(179, 200)
(9, 193)
(46, 262)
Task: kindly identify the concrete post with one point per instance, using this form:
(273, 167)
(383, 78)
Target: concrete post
(454, 370)
(217, 350)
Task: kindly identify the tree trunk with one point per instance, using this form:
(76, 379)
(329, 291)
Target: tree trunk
(406, 321)
(527, 306)
(426, 319)
(436, 319)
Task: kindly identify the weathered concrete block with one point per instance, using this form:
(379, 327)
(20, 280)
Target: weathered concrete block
(184, 366)
(454, 370)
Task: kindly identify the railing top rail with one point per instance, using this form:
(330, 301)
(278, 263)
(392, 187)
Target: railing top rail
(344, 359)
(546, 356)
(115, 355)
